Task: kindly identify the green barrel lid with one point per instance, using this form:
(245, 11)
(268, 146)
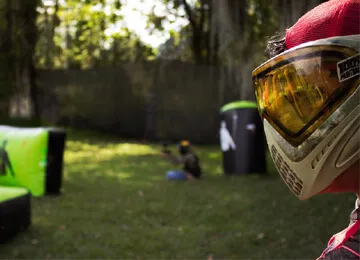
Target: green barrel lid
(238, 104)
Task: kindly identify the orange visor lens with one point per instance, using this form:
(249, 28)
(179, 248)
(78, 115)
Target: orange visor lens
(297, 91)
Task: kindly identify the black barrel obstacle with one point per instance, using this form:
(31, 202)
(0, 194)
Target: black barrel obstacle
(15, 211)
(242, 138)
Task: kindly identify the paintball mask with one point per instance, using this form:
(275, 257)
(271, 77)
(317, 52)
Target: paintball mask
(184, 147)
(308, 98)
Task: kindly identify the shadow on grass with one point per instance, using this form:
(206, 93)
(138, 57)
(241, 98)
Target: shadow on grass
(118, 204)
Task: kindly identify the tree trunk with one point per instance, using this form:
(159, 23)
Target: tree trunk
(197, 39)
(6, 61)
(68, 46)
(197, 20)
(23, 36)
(30, 39)
(103, 56)
(51, 25)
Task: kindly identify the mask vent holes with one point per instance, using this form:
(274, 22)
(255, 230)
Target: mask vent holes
(319, 156)
(287, 174)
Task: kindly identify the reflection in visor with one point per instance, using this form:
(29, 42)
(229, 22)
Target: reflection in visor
(296, 93)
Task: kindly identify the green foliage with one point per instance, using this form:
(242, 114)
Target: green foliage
(194, 37)
(89, 34)
(117, 204)
(256, 20)
(84, 36)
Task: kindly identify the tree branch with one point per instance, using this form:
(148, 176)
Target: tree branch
(202, 13)
(189, 13)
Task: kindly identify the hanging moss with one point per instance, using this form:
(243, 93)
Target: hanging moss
(241, 31)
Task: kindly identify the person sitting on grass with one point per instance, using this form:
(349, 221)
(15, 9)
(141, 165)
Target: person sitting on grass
(190, 161)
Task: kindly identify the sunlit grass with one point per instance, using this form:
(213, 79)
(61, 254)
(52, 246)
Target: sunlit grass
(81, 151)
(118, 204)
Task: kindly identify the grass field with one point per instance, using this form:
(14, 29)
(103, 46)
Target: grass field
(117, 204)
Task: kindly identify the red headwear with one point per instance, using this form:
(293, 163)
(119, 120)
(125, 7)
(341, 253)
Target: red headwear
(332, 18)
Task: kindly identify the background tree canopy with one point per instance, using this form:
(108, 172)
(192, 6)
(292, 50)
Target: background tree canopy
(84, 34)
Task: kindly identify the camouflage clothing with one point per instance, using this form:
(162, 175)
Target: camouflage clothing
(191, 163)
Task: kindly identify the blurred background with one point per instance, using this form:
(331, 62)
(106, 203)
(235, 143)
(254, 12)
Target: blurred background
(130, 71)
(133, 68)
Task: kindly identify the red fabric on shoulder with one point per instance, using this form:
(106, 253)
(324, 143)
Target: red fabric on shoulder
(340, 238)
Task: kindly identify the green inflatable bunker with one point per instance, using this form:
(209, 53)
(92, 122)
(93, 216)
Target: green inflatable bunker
(32, 158)
(15, 212)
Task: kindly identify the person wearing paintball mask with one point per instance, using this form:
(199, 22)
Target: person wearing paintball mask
(190, 161)
(308, 95)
